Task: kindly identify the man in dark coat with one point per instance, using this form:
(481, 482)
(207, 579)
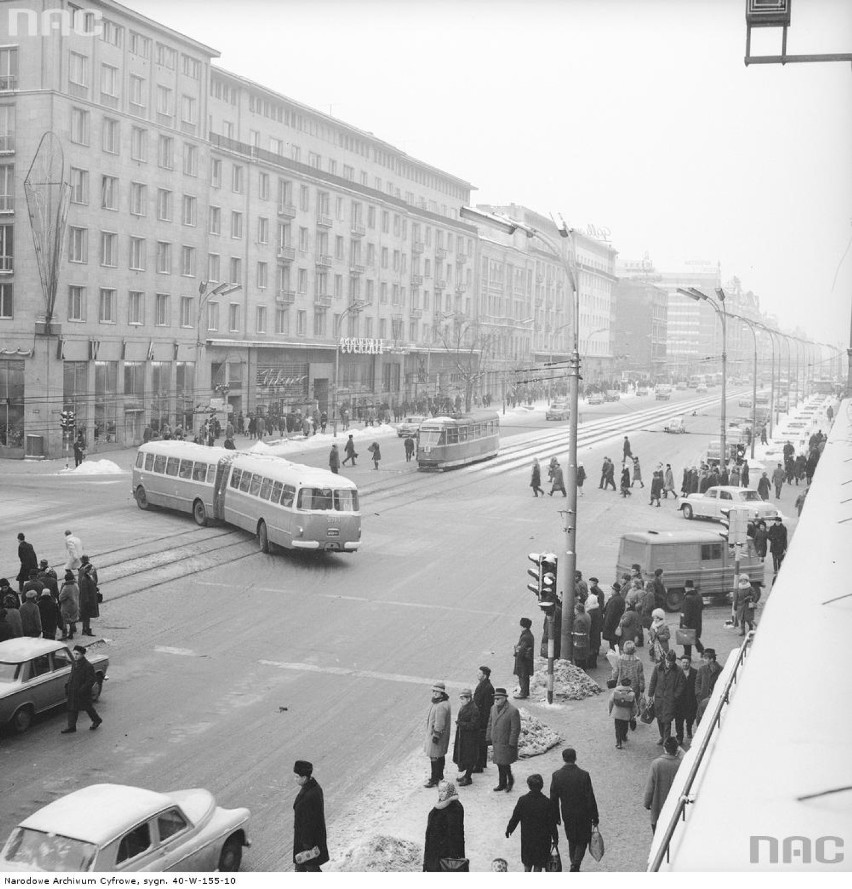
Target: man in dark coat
(613, 611)
(88, 597)
(29, 561)
(667, 687)
(686, 706)
(572, 797)
(308, 821)
(539, 832)
(705, 682)
(777, 536)
(466, 744)
(691, 616)
(51, 619)
(78, 691)
(524, 655)
(30, 615)
(483, 698)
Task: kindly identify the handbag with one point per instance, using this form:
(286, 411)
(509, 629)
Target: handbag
(454, 865)
(632, 723)
(618, 631)
(596, 844)
(649, 713)
(611, 683)
(554, 863)
(684, 636)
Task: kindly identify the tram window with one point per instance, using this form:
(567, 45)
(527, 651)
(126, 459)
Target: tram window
(452, 436)
(149, 462)
(255, 484)
(140, 460)
(245, 481)
(287, 496)
(236, 475)
(160, 463)
(199, 472)
(211, 473)
(185, 469)
(431, 439)
(315, 498)
(276, 492)
(463, 433)
(172, 466)
(265, 488)
(346, 501)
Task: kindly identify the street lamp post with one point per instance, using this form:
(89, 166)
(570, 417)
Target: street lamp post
(751, 327)
(569, 561)
(352, 307)
(770, 331)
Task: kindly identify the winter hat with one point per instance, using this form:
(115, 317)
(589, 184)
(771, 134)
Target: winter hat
(526, 623)
(671, 655)
(44, 563)
(303, 768)
(500, 693)
(31, 594)
(630, 647)
(465, 693)
(440, 686)
(69, 575)
(592, 579)
(744, 581)
(80, 648)
(658, 614)
(592, 602)
(46, 592)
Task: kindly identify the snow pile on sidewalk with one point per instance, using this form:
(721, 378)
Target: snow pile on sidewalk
(290, 447)
(383, 853)
(569, 682)
(95, 467)
(536, 737)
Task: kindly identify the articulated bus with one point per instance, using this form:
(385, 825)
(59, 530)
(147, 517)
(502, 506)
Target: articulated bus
(447, 442)
(283, 503)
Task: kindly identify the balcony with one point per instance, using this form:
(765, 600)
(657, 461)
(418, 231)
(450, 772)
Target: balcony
(417, 246)
(417, 280)
(7, 203)
(439, 284)
(324, 221)
(286, 254)
(323, 300)
(356, 269)
(7, 265)
(461, 257)
(286, 211)
(417, 313)
(8, 83)
(440, 252)
(285, 297)
(7, 144)
(461, 287)
(357, 230)
(323, 260)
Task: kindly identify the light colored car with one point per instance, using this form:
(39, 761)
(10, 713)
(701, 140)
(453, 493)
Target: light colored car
(114, 827)
(642, 390)
(710, 504)
(612, 395)
(409, 425)
(681, 386)
(675, 426)
(33, 674)
(595, 398)
(663, 392)
(559, 410)
(744, 402)
(701, 389)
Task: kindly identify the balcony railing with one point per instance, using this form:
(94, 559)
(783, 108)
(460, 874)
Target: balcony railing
(323, 300)
(357, 230)
(461, 257)
(417, 313)
(356, 269)
(7, 265)
(286, 211)
(440, 252)
(461, 287)
(323, 260)
(7, 144)
(8, 82)
(417, 246)
(324, 221)
(417, 280)
(286, 254)
(285, 297)
(439, 284)
(7, 203)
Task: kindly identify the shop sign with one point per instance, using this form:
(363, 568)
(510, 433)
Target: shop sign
(286, 380)
(354, 345)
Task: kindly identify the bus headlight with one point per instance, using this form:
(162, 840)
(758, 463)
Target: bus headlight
(300, 532)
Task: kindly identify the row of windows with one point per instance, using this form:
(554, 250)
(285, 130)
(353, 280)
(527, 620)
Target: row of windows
(258, 485)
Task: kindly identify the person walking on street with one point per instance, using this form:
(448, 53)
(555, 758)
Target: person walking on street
(376, 451)
(777, 537)
(656, 488)
(622, 708)
(760, 539)
(29, 561)
(466, 744)
(408, 445)
(11, 604)
(595, 612)
(691, 616)
(557, 479)
(483, 698)
(660, 779)
(48, 578)
(524, 655)
(79, 450)
(628, 666)
(310, 849)
(630, 626)
(778, 477)
(613, 611)
(535, 479)
(687, 706)
(349, 450)
(744, 603)
(669, 482)
(625, 483)
(764, 487)
(503, 732)
(604, 467)
(637, 473)
(438, 722)
(574, 803)
(444, 829)
(51, 618)
(88, 593)
(73, 549)
(334, 459)
(69, 605)
(581, 477)
(668, 685)
(628, 454)
(30, 615)
(539, 831)
(580, 631)
(658, 636)
(81, 683)
(705, 681)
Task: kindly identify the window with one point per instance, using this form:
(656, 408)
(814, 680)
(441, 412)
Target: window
(319, 323)
(261, 319)
(134, 843)
(112, 33)
(263, 186)
(188, 109)
(190, 159)
(711, 552)
(304, 241)
(79, 125)
(137, 92)
(187, 261)
(164, 101)
(338, 286)
(135, 307)
(236, 224)
(338, 247)
(301, 323)
(138, 199)
(109, 243)
(237, 179)
(171, 821)
(262, 275)
(189, 215)
(213, 267)
(186, 311)
(161, 309)
(191, 67)
(212, 316)
(137, 254)
(8, 68)
(262, 230)
(76, 303)
(164, 205)
(140, 45)
(109, 83)
(288, 495)
(199, 474)
(214, 223)
(106, 306)
(233, 317)
(109, 193)
(79, 180)
(109, 133)
(139, 144)
(304, 197)
(216, 173)
(7, 303)
(303, 281)
(78, 245)
(78, 71)
(282, 318)
(166, 152)
(236, 270)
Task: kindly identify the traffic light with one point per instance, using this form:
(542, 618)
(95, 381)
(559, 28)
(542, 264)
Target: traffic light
(735, 522)
(67, 420)
(544, 575)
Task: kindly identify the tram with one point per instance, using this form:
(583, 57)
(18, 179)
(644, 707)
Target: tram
(448, 442)
(283, 503)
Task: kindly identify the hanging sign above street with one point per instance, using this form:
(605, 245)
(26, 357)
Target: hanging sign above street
(361, 346)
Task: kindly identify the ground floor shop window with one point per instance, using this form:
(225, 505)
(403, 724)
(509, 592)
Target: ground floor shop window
(106, 391)
(12, 404)
(75, 392)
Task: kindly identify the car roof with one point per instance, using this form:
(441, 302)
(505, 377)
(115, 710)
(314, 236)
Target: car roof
(673, 536)
(732, 488)
(98, 813)
(24, 648)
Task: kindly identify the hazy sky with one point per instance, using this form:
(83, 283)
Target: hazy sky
(638, 115)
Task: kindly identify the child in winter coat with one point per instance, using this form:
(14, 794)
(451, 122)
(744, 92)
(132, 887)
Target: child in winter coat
(622, 706)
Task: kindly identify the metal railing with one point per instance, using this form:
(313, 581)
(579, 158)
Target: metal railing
(716, 719)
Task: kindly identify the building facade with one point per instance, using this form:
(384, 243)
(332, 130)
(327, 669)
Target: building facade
(640, 321)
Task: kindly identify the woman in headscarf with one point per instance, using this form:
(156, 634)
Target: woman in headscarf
(593, 609)
(744, 601)
(658, 636)
(444, 828)
(630, 667)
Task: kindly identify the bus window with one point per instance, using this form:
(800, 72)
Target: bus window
(236, 474)
(211, 474)
(149, 462)
(185, 469)
(315, 498)
(199, 472)
(276, 492)
(287, 496)
(256, 480)
(452, 436)
(172, 466)
(265, 488)
(245, 482)
(140, 460)
(160, 463)
(346, 501)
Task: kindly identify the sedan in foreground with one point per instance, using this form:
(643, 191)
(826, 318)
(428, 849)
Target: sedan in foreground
(409, 425)
(710, 504)
(114, 827)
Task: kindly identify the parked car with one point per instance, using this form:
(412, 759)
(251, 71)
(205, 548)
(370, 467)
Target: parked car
(681, 385)
(33, 674)
(612, 395)
(663, 392)
(710, 504)
(559, 410)
(409, 425)
(675, 425)
(109, 827)
(701, 389)
(595, 398)
(642, 390)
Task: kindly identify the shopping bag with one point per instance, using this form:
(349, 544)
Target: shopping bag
(596, 844)
(684, 636)
(612, 657)
(554, 863)
(648, 713)
(454, 865)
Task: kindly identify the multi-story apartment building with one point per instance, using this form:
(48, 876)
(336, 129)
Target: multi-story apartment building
(640, 309)
(222, 241)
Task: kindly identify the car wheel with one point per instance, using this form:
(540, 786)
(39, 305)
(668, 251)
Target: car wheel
(231, 855)
(142, 498)
(262, 536)
(687, 511)
(97, 688)
(199, 513)
(674, 599)
(22, 719)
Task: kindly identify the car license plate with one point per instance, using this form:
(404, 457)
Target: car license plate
(333, 532)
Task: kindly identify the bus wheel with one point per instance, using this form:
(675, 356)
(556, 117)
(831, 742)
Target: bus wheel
(142, 498)
(199, 513)
(262, 536)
